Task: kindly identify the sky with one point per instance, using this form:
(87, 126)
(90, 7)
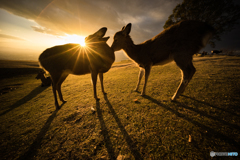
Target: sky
(28, 27)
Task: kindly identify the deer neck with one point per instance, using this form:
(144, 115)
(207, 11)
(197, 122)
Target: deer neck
(132, 50)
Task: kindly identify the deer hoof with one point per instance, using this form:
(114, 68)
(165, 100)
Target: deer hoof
(104, 93)
(173, 99)
(63, 101)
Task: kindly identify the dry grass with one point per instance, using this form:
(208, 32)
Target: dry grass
(125, 124)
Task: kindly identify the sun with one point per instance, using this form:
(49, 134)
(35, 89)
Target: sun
(74, 39)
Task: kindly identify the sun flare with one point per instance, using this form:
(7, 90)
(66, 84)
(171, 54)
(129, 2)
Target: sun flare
(74, 39)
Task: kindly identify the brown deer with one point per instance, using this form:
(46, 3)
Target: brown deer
(177, 43)
(60, 61)
(46, 81)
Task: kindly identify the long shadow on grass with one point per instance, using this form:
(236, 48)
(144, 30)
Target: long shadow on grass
(209, 116)
(25, 99)
(212, 132)
(205, 103)
(32, 151)
(128, 139)
(104, 132)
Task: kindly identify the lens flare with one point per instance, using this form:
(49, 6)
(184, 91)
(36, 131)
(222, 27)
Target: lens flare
(74, 39)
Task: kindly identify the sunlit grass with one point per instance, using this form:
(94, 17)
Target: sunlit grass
(159, 129)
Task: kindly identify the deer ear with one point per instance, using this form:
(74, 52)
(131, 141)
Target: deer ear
(101, 32)
(105, 39)
(123, 28)
(127, 29)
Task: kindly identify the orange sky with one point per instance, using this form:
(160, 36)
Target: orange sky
(20, 36)
(28, 27)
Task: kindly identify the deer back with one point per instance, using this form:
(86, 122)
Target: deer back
(188, 36)
(76, 59)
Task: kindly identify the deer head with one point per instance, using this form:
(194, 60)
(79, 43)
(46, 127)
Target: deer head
(121, 38)
(97, 36)
(40, 74)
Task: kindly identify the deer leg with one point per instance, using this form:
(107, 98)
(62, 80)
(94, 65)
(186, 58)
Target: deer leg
(141, 72)
(187, 74)
(101, 80)
(55, 95)
(55, 79)
(63, 77)
(94, 81)
(147, 72)
(191, 69)
(182, 86)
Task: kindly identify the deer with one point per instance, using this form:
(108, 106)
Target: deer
(178, 43)
(46, 81)
(60, 61)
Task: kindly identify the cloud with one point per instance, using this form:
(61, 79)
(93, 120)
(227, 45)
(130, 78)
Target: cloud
(84, 17)
(11, 37)
(44, 30)
(87, 16)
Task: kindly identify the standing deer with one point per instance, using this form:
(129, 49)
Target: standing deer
(46, 81)
(60, 61)
(177, 43)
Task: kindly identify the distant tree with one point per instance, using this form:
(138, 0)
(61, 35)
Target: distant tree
(220, 14)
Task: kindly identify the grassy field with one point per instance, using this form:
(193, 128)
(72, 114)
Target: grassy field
(125, 125)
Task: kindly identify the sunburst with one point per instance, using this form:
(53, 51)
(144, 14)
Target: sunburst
(74, 39)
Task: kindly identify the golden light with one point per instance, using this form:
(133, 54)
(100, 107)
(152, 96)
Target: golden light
(74, 39)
